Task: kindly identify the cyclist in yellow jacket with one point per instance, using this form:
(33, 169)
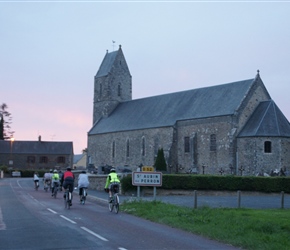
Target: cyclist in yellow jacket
(112, 179)
(55, 181)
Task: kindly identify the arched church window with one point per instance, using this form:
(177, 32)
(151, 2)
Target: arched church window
(119, 89)
(213, 142)
(143, 146)
(113, 150)
(267, 147)
(127, 148)
(186, 144)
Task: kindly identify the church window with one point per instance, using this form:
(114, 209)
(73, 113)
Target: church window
(43, 159)
(127, 149)
(30, 159)
(113, 150)
(213, 142)
(119, 89)
(61, 159)
(268, 147)
(143, 146)
(186, 145)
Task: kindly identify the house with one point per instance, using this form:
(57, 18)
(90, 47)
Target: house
(36, 154)
(232, 128)
(80, 161)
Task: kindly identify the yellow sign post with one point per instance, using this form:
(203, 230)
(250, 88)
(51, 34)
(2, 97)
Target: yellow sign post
(147, 169)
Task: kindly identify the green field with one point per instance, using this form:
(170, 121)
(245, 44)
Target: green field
(246, 228)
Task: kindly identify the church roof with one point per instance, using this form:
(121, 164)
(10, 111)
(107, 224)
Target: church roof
(107, 64)
(36, 147)
(165, 110)
(267, 120)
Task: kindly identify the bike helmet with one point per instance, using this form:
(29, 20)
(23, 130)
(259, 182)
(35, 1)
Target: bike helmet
(83, 172)
(113, 170)
(50, 170)
(55, 171)
(68, 168)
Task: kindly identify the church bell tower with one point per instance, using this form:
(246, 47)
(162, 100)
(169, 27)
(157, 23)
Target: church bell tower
(112, 85)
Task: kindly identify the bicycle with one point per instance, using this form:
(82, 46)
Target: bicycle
(55, 189)
(115, 201)
(67, 198)
(47, 184)
(83, 196)
(36, 185)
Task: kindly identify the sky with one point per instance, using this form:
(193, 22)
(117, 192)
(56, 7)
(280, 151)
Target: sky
(51, 50)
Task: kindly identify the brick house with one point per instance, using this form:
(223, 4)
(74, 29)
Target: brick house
(233, 128)
(36, 154)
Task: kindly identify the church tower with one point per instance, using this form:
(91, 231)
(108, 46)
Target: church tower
(113, 84)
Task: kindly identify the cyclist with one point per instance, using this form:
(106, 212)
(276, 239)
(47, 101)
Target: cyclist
(112, 179)
(68, 180)
(60, 176)
(55, 181)
(83, 182)
(36, 180)
(47, 178)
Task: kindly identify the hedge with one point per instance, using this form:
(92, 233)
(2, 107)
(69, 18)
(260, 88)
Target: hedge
(218, 183)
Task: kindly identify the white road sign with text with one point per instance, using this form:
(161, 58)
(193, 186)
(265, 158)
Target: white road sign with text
(147, 179)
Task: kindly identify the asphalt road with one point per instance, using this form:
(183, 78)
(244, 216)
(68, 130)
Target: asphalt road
(253, 200)
(31, 219)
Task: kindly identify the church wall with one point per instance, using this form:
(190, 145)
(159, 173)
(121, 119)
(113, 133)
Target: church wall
(253, 159)
(101, 147)
(200, 153)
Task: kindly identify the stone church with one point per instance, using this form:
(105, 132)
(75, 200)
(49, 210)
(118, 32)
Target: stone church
(233, 128)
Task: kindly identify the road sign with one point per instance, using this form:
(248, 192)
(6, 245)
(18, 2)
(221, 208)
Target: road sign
(147, 179)
(147, 169)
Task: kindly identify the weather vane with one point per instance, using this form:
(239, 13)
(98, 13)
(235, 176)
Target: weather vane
(113, 44)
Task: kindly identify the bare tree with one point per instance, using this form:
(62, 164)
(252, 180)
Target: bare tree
(5, 121)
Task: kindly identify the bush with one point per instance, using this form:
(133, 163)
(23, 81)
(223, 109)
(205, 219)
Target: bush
(4, 169)
(160, 163)
(219, 183)
(126, 183)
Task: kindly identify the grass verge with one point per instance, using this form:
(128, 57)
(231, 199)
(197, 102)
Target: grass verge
(246, 228)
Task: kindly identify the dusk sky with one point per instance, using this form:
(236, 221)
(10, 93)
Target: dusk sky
(51, 50)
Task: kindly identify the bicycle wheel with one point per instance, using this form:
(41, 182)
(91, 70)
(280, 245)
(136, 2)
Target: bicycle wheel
(54, 192)
(84, 196)
(116, 203)
(111, 206)
(66, 200)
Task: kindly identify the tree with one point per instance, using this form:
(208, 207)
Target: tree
(5, 121)
(160, 163)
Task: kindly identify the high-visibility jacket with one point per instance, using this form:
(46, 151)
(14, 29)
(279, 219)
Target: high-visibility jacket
(112, 177)
(55, 177)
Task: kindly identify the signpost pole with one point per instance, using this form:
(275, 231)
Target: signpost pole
(138, 191)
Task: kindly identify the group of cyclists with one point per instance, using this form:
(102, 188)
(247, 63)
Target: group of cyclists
(66, 180)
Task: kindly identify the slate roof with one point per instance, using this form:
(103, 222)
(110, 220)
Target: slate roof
(36, 147)
(107, 64)
(267, 120)
(77, 158)
(165, 110)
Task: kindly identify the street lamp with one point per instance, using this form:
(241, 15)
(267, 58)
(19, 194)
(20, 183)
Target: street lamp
(11, 146)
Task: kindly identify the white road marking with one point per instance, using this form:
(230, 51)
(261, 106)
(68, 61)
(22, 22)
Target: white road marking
(18, 183)
(51, 210)
(71, 221)
(122, 248)
(97, 235)
(2, 224)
